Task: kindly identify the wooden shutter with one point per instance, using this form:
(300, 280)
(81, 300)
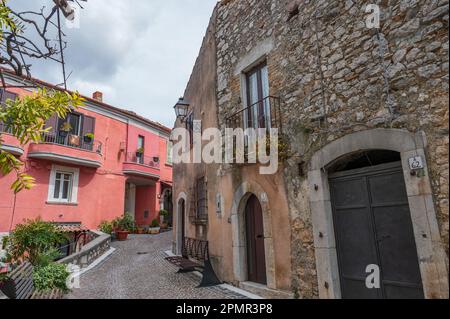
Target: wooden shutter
(88, 125)
(52, 122)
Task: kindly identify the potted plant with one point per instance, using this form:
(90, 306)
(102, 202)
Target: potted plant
(154, 227)
(123, 226)
(88, 138)
(64, 129)
(139, 230)
(163, 214)
(140, 151)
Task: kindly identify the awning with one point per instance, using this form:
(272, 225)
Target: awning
(71, 227)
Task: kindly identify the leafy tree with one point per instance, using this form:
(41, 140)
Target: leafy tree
(26, 117)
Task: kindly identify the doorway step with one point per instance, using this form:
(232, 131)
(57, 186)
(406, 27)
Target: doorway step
(264, 291)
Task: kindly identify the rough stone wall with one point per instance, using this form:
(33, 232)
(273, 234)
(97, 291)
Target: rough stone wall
(336, 76)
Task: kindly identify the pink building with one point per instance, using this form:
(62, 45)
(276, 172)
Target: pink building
(80, 179)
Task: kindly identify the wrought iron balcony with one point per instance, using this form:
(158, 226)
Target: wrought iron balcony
(73, 141)
(141, 159)
(265, 113)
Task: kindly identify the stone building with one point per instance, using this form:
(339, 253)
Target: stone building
(364, 115)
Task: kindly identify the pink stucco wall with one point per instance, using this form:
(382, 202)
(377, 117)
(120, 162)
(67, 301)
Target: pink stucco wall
(145, 201)
(101, 190)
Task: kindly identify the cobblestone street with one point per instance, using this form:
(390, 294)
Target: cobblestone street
(138, 270)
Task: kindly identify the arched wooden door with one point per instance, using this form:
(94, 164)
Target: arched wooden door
(183, 220)
(256, 257)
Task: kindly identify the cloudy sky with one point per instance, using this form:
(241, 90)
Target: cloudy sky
(139, 53)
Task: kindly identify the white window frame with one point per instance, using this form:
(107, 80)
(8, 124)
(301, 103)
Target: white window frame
(73, 193)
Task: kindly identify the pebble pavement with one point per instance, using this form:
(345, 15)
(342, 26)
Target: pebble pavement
(138, 270)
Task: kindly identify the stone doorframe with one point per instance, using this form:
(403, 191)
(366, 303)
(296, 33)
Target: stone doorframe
(241, 195)
(178, 234)
(432, 258)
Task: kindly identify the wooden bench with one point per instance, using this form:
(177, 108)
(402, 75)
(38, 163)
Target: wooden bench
(19, 285)
(195, 256)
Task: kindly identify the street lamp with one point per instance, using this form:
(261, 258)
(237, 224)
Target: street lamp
(181, 109)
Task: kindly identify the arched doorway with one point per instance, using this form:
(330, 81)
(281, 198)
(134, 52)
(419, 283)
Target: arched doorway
(373, 227)
(181, 223)
(254, 229)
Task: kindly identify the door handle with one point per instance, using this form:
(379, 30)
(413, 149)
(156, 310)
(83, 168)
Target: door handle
(260, 236)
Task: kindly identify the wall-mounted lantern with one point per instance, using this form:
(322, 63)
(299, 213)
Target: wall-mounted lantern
(181, 109)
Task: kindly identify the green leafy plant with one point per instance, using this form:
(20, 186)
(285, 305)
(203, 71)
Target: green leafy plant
(125, 223)
(89, 135)
(140, 150)
(52, 276)
(5, 242)
(163, 213)
(66, 127)
(35, 241)
(106, 227)
(155, 223)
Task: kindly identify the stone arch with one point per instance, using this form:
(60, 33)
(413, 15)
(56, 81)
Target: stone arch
(182, 197)
(240, 198)
(432, 258)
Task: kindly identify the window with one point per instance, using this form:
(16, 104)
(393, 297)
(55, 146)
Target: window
(63, 185)
(141, 149)
(75, 123)
(258, 114)
(169, 152)
(202, 200)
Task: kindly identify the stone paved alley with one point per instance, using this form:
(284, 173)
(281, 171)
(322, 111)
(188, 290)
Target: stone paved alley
(138, 270)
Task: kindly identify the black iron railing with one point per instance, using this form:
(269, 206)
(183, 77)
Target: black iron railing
(141, 159)
(72, 141)
(265, 113)
(5, 129)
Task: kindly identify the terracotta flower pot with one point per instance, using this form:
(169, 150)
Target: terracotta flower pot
(122, 235)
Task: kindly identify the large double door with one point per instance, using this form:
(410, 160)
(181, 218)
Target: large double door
(373, 227)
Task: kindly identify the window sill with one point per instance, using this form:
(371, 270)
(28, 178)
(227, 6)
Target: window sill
(61, 204)
(169, 165)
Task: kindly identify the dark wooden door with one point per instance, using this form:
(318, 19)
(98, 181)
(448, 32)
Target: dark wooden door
(256, 257)
(183, 221)
(373, 227)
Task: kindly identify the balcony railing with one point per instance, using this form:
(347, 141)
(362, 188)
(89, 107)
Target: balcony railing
(141, 159)
(72, 141)
(5, 129)
(265, 113)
